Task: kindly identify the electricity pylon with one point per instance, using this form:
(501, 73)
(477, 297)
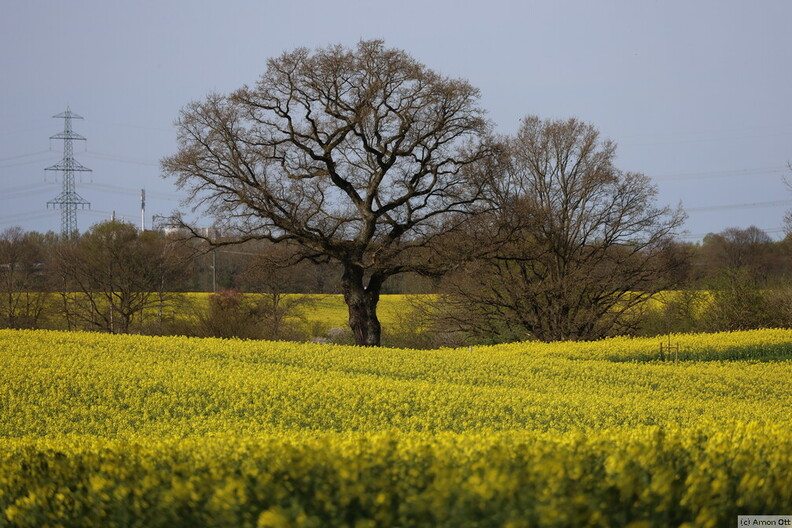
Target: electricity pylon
(68, 199)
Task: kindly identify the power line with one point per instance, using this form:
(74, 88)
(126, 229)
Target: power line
(24, 215)
(129, 125)
(26, 155)
(35, 215)
(23, 130)
(707, 139)
(94, 155)
(128, 190)
(22, 163)
(120, 159)
(689, 236)
(723, 174)
(110, 214)
(24, 194)
(27, 187)
(752, 205)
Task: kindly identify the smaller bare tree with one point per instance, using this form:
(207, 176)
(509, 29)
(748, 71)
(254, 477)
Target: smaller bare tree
(112, 273)
(735, 248)
(575, 245)
(274, 275)
(23, 282)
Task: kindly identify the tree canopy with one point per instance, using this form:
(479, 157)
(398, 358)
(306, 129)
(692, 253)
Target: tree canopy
(576, 242)
(358, 155)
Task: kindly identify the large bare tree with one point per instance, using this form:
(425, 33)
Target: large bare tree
(579, 244)
(359, 155)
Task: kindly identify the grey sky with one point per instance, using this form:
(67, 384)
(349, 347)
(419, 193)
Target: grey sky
(695, 93)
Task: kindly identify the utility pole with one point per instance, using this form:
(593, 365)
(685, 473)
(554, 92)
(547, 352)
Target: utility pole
(142, 210)
(68, 199)
(214, 271)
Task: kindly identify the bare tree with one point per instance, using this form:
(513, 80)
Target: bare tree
(112, 273)
(274, 277)
(359, 155)
(735, 248)
(23, 282)
(579, 242)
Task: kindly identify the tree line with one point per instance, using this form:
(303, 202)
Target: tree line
(114, 278)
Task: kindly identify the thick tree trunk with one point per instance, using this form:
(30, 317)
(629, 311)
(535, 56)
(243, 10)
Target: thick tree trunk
(362, 302)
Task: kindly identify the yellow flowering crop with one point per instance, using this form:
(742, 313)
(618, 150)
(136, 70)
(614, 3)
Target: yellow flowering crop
(102, 430)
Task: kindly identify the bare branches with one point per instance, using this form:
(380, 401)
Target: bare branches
(577, 242)
(356, 154)
(333, 148)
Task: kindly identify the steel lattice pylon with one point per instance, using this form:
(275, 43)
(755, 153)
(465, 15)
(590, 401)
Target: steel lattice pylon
(68, 200)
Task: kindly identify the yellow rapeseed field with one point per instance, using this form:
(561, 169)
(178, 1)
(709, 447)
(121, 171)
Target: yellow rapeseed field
(101, 430)
(314, 318)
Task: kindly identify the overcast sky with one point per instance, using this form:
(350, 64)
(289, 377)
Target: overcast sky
(697, 94)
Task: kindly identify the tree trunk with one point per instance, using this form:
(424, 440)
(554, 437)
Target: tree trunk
(362, 303)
